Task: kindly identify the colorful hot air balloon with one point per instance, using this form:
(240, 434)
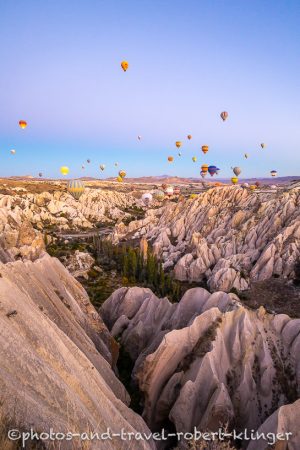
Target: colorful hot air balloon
(147, 198)
(204, 168)
(189, 136)
(224, 115)
(205, 149)
(122, 173)
(169, 191)
(75, 188)
(234, 180)
(102, 167)
(170, 158)
(22, 124)
(119, 179)
(178, 144)
(124, 65)
(194, 159)
(236, 171)
(13, 152)
(273, 173)
(64, 170)
(212, 170)
(158, 195)
(262, 145)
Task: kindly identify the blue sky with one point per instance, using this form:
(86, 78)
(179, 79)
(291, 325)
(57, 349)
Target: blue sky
(189, 60)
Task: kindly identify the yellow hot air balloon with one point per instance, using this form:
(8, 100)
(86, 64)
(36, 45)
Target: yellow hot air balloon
(189, 136)
(170, 158)
(192, 196)
(194, 159)
(253, 187)
(22, 124)
(119, 179)
(205, 149)
(234, 180)
(122, 173)
(204, 168)
(75, 188)
(64, 170)
(178, 144)
(124, 65)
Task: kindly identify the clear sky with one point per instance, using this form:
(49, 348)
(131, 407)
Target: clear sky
(188, 61)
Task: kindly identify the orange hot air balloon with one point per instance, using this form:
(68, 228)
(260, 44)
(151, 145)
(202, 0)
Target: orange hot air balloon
(205, 149)
(189, 136)
(124, 65)
(178, 144)
(170, 158)
(22, 124)
(204, 168)
(224, 115)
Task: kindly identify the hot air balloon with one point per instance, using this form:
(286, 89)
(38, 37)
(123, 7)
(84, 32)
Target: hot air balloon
(204, 168)
(193, 196)
(262, 145)
(40, 174)
(234, 180)
(64, 170)
(119, 179)
(246, 155)
(257, 184)
(224, 115)
(194, 159)
(203, 174)
(245, 185)
(22, 124)
(83, 167)
(189, 136)
(122, 173)
(139, 138)
(252, 187)
(124, 65)
(147, 198)
(236, 171)
(205, 149)
(102, 167)
(75, 188)
(273, 186)
(179, 153)
(116, 164)
(88, 161)
(212, 170)
(178, 144)
(169, 191)
(158, 195)
(13, 152)
(273, 173)
(170, 158)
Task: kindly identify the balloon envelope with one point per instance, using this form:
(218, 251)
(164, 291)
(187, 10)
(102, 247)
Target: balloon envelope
(75, 188)
(224, 115)
(64, 170)
(236, 171)
(22, 124)
(124, 65)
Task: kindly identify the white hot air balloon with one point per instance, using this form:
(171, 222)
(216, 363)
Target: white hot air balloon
(147, 198)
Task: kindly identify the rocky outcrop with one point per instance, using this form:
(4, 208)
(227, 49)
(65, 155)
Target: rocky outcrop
(56, 357)
(79, 263)
(227, 235)
(208, 359)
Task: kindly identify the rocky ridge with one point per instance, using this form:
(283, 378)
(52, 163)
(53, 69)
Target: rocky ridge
(228, 236)
(209, 360)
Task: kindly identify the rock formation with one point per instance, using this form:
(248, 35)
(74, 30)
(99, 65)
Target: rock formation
(228, 236)
(208, 360)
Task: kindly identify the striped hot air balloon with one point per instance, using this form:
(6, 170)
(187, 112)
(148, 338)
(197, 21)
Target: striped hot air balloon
(75, 188)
